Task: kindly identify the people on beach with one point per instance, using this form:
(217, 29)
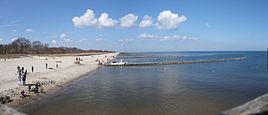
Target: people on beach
(22, 69)
(37, 87)
(57, 66)
(19, 77)
(5, 99)
(46, 65)
(32, 69)
(18, 69)
(22, 94)
(24, 77)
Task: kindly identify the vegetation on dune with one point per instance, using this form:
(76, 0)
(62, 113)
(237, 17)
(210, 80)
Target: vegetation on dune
(25, 46)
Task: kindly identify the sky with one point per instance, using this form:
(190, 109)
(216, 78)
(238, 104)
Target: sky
(139, 25)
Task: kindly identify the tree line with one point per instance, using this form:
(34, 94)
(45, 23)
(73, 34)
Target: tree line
(24, 46)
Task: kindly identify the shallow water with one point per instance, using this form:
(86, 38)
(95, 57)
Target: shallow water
(205, 88)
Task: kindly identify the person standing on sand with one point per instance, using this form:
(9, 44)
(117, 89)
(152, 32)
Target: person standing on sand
(18, 69)
(22, 69)
(24, 78)
(46, 65)
(32, 69)
(19, 77)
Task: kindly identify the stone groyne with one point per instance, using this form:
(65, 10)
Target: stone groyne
(178, 62)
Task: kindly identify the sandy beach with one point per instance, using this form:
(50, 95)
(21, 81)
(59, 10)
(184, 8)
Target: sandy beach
(52, 79)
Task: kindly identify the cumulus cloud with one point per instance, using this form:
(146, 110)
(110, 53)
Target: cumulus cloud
(128, 20)
(28, 30)
(53, 41)
(146, 22)
(65, 38)
(89, 20)
(146, 36)
(63, 35)
(105, 21)
(165, 20)
(86, 20)
(168, 20)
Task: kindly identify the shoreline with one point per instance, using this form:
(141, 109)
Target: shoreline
(50, 92)
(52, 81)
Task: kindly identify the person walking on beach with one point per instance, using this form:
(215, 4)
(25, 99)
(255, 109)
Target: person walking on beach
(22, 69)
(46, 65)
(24, 77)
(18, 69)
(19, 77)
(32, 69)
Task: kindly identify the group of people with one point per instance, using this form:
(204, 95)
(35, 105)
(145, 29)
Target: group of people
(22, 74)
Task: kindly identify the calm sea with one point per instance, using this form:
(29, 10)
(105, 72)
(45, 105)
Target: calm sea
(190, 89)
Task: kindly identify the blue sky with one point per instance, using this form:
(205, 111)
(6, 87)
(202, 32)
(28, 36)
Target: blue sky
(138, 25)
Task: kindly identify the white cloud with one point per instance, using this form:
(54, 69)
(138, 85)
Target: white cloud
(126, 40)
(13, 39)
(53, 41)
(28, 30)
(1, 40)
(67, 40)
(189, 38)
(165, 20)
(89, 20)
(167, 37)
(170, 38)
(146, 22)
(79, 41)
(146, 36)
(105, 21)
(128, 20)
(63, 35)
(14, 31)
(99, 39)
(86, 20)
(168, 20)
(177, 37)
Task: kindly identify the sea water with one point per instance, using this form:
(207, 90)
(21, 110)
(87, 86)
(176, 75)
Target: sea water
(186, 89)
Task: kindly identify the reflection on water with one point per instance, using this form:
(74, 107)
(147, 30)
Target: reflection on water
(207, 88)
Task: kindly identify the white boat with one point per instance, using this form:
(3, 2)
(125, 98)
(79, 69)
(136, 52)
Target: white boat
(118, 63)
